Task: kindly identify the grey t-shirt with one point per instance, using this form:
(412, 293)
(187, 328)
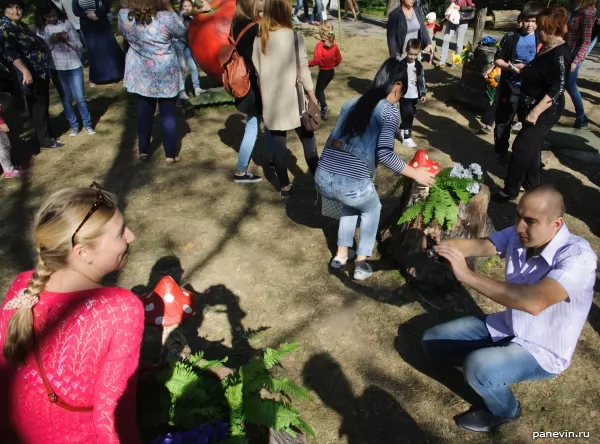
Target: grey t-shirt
(412, 30)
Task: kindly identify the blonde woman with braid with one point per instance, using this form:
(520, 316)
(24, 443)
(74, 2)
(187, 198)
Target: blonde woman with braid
(70, 346)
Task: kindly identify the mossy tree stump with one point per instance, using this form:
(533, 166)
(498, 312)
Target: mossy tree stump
(406, 244)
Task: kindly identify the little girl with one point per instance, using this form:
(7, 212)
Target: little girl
(65, 47)
(416, 91)
(187, 11)
(432, 30)
(8, 169)
(327, 56)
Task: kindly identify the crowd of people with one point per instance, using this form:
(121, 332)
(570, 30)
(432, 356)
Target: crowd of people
(71, 345)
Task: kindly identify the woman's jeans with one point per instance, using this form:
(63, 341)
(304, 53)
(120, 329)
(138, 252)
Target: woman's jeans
(146, 109)
(309, 144)
(185, 55)
(70, 84)
(489, 367)
(574, 92)
(359, 198)
(249, 140)
(300, 3)
(460, 38)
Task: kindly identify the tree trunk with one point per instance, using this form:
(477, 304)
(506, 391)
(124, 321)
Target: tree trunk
(406, 244)
(480, 17)
(391, 5)
(504, 20)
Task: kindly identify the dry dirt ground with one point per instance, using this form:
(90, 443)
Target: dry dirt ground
(260, 265)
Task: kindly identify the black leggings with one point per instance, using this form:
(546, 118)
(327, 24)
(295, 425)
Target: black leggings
(38, 102)
(408, 107)
(323, 79)
(280, 153)
(526, 160)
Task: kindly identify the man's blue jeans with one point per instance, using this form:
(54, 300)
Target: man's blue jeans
(249, 140)
(489, 367)
(574, 92)
(70, 85)
(359, 198)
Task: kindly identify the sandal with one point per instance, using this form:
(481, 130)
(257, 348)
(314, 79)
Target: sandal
(338, 262)
(173, 160)
(362, 271)
(143, 157)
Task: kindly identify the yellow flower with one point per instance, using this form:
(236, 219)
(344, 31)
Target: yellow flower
(456, 59)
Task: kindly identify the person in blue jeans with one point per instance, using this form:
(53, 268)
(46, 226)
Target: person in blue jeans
(65, 47)
(187, 11)
(548, 291)
(363, 136)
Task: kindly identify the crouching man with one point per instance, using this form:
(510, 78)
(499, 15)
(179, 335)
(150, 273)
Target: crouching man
(548, 290)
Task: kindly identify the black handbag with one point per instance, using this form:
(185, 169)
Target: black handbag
(310, 114)
(467, 15)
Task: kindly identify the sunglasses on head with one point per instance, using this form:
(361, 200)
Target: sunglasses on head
(99, 201)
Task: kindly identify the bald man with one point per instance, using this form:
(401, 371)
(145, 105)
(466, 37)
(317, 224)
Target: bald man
(548, 290)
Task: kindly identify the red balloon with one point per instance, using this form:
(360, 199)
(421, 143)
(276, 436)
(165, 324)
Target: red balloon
(208, 32)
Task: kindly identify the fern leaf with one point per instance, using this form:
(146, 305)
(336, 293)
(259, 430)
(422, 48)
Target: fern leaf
(452, 216)
(273, 357)
(193, 359)
(462, 195)
(412, 212)
(181, 379)
(269, 413)
(428, 211)
(283, 386)
(303, 426)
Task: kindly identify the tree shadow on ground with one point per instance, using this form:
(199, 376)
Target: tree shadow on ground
(375, 417)
(408, 345)
(184, 338)
(591, 85)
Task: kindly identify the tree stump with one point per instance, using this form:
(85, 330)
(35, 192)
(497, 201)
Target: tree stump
(471, 90)
(406, 244)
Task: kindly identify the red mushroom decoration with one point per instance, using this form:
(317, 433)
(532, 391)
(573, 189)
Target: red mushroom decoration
(208, 32)
(422, 159)
(168, 304)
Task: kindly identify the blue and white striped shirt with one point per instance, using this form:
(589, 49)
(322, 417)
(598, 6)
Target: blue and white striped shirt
(552, 335)
(345, 164)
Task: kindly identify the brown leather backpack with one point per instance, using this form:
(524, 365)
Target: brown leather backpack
(236, 78)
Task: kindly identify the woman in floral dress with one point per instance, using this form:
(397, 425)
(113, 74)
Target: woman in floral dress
(152, 69)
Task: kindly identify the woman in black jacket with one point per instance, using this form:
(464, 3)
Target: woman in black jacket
(541, 103)
(246, 12)
(405, 23)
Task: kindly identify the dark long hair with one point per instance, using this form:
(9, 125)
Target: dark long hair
(389, 73)
(46, 7)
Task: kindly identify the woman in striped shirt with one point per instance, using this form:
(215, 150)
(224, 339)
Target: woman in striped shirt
(362, 137)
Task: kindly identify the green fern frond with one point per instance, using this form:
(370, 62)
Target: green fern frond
(181, 379)
(283, 386)
(452, 217)
(428, 211)
(272, 357)
(462, 195)
(303, 426)
(269, 413)
(412, 212)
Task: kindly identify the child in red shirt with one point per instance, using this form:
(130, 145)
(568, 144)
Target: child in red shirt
(10, 172)
(327, 56)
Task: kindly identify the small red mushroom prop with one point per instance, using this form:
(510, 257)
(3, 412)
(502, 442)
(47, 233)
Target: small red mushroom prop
(168, 304)
(422, 159)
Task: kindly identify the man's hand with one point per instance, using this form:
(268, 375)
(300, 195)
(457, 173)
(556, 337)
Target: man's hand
(519, 66)
(423, 99)
(428, 49)
(573, 66)
(92, 16)
(456, 259)
(3, 128)
(532, 117)
(27, 77)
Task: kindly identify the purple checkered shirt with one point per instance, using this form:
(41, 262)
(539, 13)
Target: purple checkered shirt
(552, 335)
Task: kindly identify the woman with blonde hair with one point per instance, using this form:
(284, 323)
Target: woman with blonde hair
(70, 345)
(579, 36)
(245, 28)
(274, 58)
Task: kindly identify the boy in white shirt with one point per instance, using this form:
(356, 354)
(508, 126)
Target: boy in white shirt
(416, 91)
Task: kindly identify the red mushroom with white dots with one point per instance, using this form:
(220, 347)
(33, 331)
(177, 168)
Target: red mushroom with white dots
(168, 304)
(422, 159)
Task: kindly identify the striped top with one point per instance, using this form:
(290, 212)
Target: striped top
(87, 5)
(552, 335)
(345, 164)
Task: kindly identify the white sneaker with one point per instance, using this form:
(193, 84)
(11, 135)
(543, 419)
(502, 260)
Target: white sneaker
(183, 96)
(362, 271)
(199, 91)
(409, 142)
(518, 126)
(338, 262)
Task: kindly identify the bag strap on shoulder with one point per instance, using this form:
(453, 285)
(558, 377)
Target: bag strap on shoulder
(241, 34)
(299, 85)
(52, 396)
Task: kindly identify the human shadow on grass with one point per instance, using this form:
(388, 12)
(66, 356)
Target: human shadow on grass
(374, 417)
(184, 338)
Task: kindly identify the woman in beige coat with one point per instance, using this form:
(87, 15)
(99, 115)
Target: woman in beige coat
(274, 58)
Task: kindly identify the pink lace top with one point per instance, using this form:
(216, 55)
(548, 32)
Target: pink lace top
(89, 343)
